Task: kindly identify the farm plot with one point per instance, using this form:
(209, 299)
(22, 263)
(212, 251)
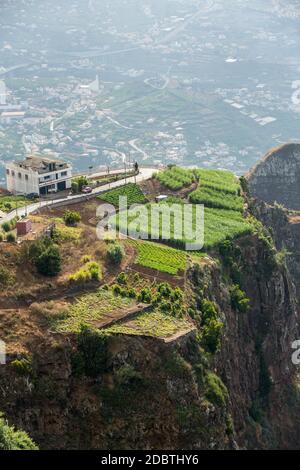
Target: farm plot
(220, 180)
(155, 324)
(87, 309)
(211, 197)
(163, 258)
(176, 178)
(132, 191)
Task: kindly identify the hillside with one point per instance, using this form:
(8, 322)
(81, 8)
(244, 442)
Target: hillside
(135, 344)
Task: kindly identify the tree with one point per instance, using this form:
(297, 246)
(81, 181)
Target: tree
(10, 237)
(10, 439)
(72, 218)
(80, 181)
(74, 187)
(115, 253)
(49, 261)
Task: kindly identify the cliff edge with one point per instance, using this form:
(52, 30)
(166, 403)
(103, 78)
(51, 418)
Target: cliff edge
(276, 177)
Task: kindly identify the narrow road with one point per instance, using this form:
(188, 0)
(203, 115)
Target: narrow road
(145, 173)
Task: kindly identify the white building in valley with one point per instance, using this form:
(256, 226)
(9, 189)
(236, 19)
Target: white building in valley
(38, 175)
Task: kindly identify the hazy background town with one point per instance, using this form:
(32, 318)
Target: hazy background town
(213, 83)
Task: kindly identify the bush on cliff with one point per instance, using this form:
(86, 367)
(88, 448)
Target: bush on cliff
(10, 439)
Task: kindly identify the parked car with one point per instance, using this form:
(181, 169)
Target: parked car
(87, 190)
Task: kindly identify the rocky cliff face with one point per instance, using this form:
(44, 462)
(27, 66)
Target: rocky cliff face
(276, 177)
(150, 394)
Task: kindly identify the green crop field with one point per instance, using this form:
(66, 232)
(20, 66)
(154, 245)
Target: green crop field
(211, 197)
(219, 180)
(160, 257)
(175, 178)
(89, 308)
(132, 191)
(220, 224)
(156, 324)
(9, 203)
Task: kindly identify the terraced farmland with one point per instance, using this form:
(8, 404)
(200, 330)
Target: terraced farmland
(132, 191)
(163, 258)
(176, 178)
(87, 309)
(156, 324)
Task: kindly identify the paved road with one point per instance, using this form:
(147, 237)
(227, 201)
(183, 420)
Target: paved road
(145, 173)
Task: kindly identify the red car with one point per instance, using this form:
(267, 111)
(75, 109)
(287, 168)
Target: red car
(87, 190)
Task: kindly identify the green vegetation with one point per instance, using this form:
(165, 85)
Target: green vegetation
(6, 277)
(210, 327)
(88, 309)
(92, 352)
(160, 257)
(219, 225)
(211, 197)
(216, 392)
(49, 261)
(10, 203)
(63, 233)
(46, 256)
(10, 439)
(156, 324)
(6, 227)
(23, 366)
(10, 225)
(218, 189)
(132, 191)
(222, 224)
(11, 238)
(219, 180)
(72, 218)
(115, 253)
(78, 183)
(239, 301)
(91, 271)
(175, 178)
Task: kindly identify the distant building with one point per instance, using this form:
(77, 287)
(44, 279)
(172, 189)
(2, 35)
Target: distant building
(39, 175)
(2, 93)
(8, 116)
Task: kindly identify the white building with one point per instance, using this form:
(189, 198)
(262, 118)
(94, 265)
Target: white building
(39, 175)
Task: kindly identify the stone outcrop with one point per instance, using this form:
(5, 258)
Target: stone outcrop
(276, 177)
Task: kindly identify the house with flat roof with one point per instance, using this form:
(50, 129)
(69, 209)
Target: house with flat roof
(39, 175)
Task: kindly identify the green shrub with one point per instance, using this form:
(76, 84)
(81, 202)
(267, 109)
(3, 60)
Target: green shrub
(23, 366)
(72, 218)
(6, 226)
(128, 376)
(211, 335)
(122, 278)
(115, 253)
(10, 439)
(145, 295)
(78, 183)
(48, 262)
(6, 278)
(90, 272)
(116, 289)
(92, 354)
(11, 238)
(85, 259)
(239, 301)
(1, 237)
(215, 390)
